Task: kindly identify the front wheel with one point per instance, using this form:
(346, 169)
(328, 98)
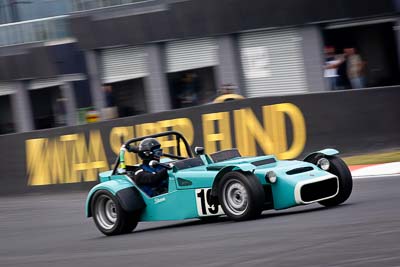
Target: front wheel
(339, 168)
(241, 196)
(109, 216)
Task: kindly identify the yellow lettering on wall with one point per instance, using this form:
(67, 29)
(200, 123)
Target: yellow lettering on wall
(37, 167)
(97, 160)
(65, 160)
(182, 125)
(271, 136)
(275, 122)
(119, 135)
(73, 158)
(249, 130)
(245, 145)
(58, 163)
(147, 129)
(299, 130)
(211, 137)
(86, 162)
(71, 144)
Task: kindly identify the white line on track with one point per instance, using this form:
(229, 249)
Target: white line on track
(378, 169)
(376, 176)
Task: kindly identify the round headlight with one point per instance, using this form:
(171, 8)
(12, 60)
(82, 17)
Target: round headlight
(271, 177)
(324, 164)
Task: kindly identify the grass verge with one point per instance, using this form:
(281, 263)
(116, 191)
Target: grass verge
(375, 158)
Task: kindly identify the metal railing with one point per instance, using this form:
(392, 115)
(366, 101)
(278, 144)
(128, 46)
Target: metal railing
(30, 31)
(54, 27)
(83, 5)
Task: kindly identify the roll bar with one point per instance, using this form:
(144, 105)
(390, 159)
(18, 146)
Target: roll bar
(178, 136)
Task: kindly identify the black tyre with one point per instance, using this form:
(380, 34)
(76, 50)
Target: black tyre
(241, 196)
(109, 216)
(340, 169)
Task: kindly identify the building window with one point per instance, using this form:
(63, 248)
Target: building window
(126, 96)
(375, 46)
(48, 107)
(192, 87)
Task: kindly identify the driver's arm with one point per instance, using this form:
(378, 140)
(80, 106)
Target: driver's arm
(123, 149)
(142, 177)
(122, 166)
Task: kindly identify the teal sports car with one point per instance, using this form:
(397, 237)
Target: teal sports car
(205, 185)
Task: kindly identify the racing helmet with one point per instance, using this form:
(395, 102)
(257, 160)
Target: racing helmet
(150, 149)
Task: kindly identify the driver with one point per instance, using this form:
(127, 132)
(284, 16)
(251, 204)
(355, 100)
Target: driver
(152, 180)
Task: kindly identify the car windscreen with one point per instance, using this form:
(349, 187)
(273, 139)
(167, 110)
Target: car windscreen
(188, 163)
(225, 155)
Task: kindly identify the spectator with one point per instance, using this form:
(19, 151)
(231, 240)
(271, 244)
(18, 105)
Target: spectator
(227, 88)
(60, 112)
(227, 93)
(355, 68)
(188, 96)
(332, 62)
(110, 101)
(110, 111)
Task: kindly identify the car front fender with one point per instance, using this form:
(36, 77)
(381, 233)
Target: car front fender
(323, 152)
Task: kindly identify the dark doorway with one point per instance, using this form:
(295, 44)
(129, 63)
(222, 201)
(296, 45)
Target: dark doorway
(377, 46)
(48, 107)
(128, 96)
(192, 87)
(6, 118)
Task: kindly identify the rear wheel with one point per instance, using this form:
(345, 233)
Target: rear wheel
(241, 196)
(339, 168)
(109, 216)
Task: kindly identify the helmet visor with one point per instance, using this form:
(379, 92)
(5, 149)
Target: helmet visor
(157, 153)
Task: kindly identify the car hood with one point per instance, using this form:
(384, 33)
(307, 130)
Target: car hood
(293, 170)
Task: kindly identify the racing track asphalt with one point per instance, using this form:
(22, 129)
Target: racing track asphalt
(52, 231)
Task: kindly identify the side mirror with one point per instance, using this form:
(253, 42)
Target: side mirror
(198, 150)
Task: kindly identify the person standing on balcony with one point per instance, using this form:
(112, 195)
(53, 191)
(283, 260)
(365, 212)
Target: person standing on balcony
(355, 68)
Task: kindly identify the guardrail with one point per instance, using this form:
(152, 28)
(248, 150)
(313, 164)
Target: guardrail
(69, 158)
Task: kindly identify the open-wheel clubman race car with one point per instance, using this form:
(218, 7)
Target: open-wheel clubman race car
(204, 185)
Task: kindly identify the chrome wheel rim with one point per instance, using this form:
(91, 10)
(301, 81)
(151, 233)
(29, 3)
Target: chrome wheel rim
(235, 197)
(106, 212)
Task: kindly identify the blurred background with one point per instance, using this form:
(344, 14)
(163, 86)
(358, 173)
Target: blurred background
(74, 62)
(305, 67)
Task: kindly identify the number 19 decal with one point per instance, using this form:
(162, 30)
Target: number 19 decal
(204, 207)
